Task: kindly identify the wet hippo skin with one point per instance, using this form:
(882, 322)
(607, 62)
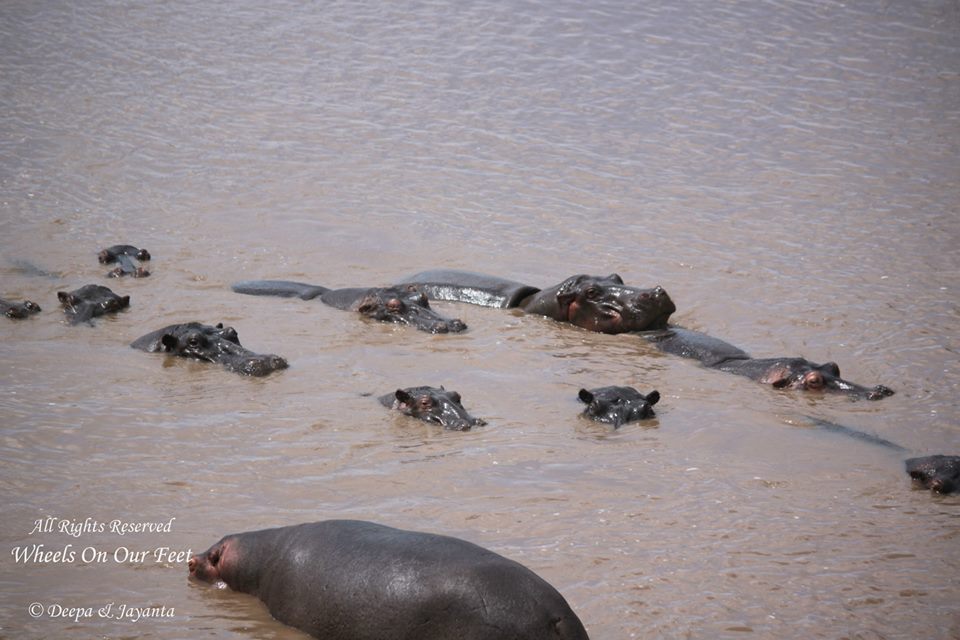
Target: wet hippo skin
(122, 254)
(18, 310)
(940, 474)
(90, 301)
(354, 580)
(597, 303)
(217, 344)
(618, 405)
(780, 373)
(397, 304)
(433, 405)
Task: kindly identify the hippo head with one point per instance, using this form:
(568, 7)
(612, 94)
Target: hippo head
(406, 305)
(22, 310)
(618, 405)
(799, 373)
(229, 562)
(606, 305)
(217, 344)
(433, 405)
(940, 474)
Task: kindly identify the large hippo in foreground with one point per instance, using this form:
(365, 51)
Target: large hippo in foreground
(90, 301)
(433, 405)
(779, 373)
(217, 344)
(597, 303)
(399, 304)
(354, 580)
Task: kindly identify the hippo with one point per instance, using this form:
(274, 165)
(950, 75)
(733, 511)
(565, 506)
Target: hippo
(121, 254)
(618, 405)
(596, 303)
(940, 474)
(433, 405)
(90, 301)
(780, 373)
(18, 310)
(212, 344)
(357, 580)
(398, 304)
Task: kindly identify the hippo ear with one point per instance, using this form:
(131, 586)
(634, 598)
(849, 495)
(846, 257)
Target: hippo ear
(653, 397)
(832, 368)
(403, 396)
(64, 297)
(168, 341)
(585, 396)
(615, 277)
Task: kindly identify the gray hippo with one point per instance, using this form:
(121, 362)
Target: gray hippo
(597, 303)
(433, 405)
(122, 254)
(618, 405)
(354, 580)
(780, 373)
(18, 310)
(217, 344)
(400, 304)
(90, 301)
(940, 474)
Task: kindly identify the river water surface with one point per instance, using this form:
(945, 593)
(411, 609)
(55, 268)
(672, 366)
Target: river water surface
(789, 171)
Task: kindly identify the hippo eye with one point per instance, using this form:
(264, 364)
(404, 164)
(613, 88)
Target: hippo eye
(593, 293)
(193, 341)
(425, 402)
(394, 305)
(215, 557)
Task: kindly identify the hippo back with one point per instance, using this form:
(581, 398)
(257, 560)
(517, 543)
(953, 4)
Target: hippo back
(474, 288)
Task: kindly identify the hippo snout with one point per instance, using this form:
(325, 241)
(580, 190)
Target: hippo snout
(879, 392)
(260, 365)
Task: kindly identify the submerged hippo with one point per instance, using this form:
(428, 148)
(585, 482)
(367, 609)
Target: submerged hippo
(780, 373)
(940, 474)
(89, 301)
(122, 254)
(217, 344)
(18, 310)
(399, 304)
(618, 405)
(596, 303)
(433, 405)
(354, 580)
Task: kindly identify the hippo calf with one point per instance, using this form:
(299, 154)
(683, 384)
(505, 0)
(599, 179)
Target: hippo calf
(217, 344)
(90, 301)
(597, 303)
(18, 310)
(940, 474)
(618, 405)
(404, 304)
(433, 405)
(122, 254)
(354, 580)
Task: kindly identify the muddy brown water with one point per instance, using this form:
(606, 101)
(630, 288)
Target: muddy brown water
(788, 171)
